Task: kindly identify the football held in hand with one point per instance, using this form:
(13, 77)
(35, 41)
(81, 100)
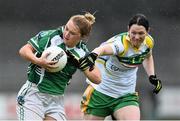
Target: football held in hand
(56, 54)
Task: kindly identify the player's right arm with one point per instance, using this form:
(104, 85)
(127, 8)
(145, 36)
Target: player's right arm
(105, 49)
(113, 46)
(87, 64)
(27, 52)
(110, 48)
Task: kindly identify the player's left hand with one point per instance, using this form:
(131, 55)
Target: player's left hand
(88, 61)
(156, 82)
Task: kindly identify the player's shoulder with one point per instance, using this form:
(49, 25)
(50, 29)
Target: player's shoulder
(118, 37)
(44, 33)
(50, 32)
(149, 41)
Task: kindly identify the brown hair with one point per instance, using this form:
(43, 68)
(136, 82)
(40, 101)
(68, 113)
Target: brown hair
(84, 22)
(139, 19)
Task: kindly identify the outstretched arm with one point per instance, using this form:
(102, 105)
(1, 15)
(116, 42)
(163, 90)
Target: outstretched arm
(93, 75)
(88, 61)
(105, 49)
(92, 72)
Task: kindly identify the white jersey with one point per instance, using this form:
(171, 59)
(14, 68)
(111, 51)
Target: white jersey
(119, 71)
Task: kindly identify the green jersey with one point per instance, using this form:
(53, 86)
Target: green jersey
(47, 82)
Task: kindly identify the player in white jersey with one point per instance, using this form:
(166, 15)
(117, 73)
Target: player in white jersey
(116, 94)
(42, 96)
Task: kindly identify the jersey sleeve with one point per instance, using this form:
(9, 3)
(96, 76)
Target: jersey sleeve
(39, 41)
(149, 42)
(116, 45)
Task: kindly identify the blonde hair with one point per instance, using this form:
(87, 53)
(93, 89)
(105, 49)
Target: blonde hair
(84, 22)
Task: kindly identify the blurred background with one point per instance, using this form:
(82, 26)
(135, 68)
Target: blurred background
(22, 19)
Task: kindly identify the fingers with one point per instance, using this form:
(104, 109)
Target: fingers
(88, 61)
(50, 68)
(82, 61)
(156, 82)
(72, 59)
(43, 62)
(158, 87)
(86, 65)
(45, 55)
(91, 68)
(69, 54)
(51, 65)
(156, 91)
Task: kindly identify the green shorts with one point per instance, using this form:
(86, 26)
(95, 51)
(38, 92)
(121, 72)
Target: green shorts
(99, 104)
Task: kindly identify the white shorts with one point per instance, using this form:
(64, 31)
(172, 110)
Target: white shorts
(34, 105)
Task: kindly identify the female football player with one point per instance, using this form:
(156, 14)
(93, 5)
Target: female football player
(42, 96)
(116, 94)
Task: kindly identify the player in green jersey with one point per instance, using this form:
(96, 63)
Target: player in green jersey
(41, 97)
(116, 94)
